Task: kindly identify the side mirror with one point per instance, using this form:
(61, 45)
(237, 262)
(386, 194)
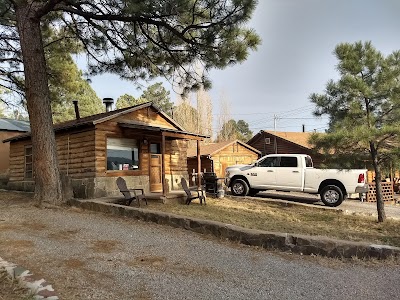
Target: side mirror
(256, 164)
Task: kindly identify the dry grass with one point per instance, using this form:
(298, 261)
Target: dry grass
(11, 290)
(247, 213)
(298, 220)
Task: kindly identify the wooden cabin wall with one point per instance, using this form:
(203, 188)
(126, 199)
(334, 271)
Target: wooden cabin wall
(112, 130)
(175, 162)
(17, 160)
(76, 153)
(232, 155)
(283, 147)
(206, 165)
(5, 149)
(146, 115)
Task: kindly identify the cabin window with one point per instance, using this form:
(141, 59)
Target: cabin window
(155, 148)
(122, 154)
(28, 162)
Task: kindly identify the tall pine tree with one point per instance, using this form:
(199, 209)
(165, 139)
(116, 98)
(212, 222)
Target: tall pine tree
(364, 110)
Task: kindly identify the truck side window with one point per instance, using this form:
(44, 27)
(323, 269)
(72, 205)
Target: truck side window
(269, 162)
(309, 163)
(288, 162)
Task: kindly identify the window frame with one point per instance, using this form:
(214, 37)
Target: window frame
(140, 158)
(28, 163)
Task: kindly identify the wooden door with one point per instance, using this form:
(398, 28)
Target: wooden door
(155, 172)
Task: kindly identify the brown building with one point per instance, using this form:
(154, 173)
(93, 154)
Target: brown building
(216, 157)
(271, 142)
(8, 129)
(140, 143)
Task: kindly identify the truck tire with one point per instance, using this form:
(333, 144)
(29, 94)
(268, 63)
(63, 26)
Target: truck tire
(239, 187)
(332, 196)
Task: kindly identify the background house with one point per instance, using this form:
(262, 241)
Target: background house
(9, 128)
(216, 157)
(140, 143)
(271, 142)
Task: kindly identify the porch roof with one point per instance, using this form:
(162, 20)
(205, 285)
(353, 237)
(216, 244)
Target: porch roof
(163, 130)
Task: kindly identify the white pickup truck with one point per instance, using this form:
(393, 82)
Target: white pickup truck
(295, 172)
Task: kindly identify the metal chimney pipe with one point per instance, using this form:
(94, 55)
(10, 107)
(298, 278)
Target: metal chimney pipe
(108, 102)
(76, 109)
(304, 128)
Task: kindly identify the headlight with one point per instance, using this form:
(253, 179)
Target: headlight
(227, 174)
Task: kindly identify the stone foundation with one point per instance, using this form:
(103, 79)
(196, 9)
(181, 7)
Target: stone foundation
(97, 187)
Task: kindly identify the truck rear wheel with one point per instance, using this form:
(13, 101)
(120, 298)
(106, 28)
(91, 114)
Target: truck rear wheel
(332, 196)
(239, 187)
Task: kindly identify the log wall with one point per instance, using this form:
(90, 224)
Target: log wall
(82, 154)
(283, 147)
(75, 155)
(232, 155)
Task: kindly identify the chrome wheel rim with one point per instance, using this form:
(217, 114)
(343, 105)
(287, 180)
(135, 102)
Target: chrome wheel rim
(331, 196)
(238, 188)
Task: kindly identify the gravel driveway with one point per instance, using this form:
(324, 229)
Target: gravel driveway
(349, 206)
(94, 256)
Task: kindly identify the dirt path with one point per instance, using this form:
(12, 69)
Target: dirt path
(88, 255)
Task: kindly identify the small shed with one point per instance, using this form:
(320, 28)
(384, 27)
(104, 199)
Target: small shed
(277, 142)
(217, 156)
(140, 143)
(8, 129)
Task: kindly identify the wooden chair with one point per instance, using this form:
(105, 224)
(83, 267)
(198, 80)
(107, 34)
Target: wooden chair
(121, 183)
(188, 190)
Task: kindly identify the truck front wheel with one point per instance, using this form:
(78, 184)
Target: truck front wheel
(239, 187)
(332, 196)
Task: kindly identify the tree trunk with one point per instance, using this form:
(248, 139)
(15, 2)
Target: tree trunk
(45, 163)
(378, 184)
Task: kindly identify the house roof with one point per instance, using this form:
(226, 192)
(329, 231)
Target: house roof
(14, 125)
(144, 126)
(299, 138)
(213, 148)
(99, 118)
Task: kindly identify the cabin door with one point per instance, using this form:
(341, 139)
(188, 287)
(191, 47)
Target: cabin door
(155, 169)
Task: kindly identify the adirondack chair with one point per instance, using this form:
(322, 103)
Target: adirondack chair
(121, 183)
(199, 193)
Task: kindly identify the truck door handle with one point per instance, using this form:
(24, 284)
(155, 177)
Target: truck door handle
(269, 171)
(295, 171)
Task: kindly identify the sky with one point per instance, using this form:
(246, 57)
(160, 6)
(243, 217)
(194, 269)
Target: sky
(271, 89)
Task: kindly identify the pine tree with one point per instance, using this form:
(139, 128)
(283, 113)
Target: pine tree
(364, 110)
(146, 39)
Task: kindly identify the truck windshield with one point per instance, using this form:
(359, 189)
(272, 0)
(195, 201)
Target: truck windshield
(309, 163)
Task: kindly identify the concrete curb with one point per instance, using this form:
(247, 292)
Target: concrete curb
(39, 288)
(306, 245)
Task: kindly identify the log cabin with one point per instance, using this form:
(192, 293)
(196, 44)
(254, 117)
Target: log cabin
(141, 144)
(271, 142)
(8, 129)
(217, 156)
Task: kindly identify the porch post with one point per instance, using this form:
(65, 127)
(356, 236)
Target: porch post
(198, 165)
(164, 190)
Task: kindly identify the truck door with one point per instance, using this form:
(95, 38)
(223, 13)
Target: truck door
(289, 174)
(263, 175)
